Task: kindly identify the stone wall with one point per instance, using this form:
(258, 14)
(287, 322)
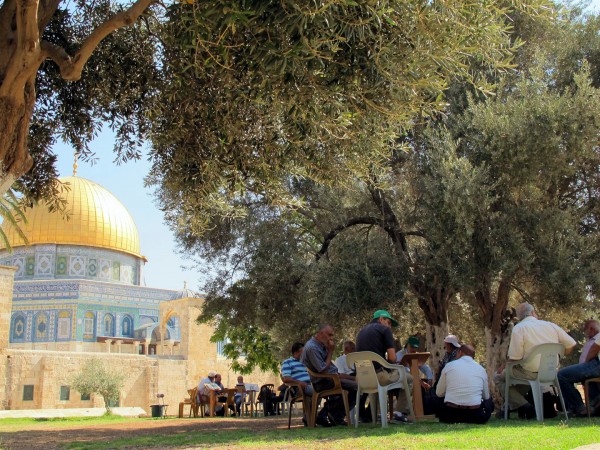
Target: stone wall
(6, 289)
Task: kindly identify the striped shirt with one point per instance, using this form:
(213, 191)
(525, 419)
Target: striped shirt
(294, 369)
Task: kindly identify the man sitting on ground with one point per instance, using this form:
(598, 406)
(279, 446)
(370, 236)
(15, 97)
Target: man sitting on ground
(317, 356)
(527, 334)
(464, 386)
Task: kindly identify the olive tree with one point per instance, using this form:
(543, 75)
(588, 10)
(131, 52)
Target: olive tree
(95, 378)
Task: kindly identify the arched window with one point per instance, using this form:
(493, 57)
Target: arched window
(63, 326)
(89, 329)
(40, 327)
(108, 325)
(127, 326)
(18, 328)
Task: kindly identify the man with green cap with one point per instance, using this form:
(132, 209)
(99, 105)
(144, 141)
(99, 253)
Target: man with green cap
(377, 337)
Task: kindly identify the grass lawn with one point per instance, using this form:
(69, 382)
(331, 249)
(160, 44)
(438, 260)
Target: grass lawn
(497, 434)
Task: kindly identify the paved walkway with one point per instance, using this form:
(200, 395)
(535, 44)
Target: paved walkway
(69, 412)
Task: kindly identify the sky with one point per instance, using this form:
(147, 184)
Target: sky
(126, 183)
(165, 268)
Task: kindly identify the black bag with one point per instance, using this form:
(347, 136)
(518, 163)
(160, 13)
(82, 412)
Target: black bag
(551, 403)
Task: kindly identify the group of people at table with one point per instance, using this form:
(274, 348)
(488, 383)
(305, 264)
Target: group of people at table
(459, 392)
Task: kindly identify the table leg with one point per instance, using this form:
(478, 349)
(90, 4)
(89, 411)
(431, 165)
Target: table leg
(417, 397)
(212, 403)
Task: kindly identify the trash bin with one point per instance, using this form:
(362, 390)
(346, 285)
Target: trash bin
(157, 410)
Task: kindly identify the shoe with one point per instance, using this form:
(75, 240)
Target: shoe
(500, 414)
(579, 413)
(527, 411)
(400, 418)
(400, 422)
(336, 420)
(324, 422)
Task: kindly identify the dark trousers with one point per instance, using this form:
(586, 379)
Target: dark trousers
(334, 405)
(480, 415)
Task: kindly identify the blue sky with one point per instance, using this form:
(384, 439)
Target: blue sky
(166, 268)
(126, 182)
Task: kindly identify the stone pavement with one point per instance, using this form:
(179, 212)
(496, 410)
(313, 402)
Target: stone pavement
(69, 412)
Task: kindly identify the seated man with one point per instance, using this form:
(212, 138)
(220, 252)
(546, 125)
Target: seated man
(203, 395)
(317, 357)
(239, 397)
(451, 347)
(340, 362)
(464, 386)
(292, 370)
(377, 337)
(412, 346)
(527, 334)
(578, 373)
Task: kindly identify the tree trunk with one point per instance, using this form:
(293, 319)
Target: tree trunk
(496, 343)
(435, 335)
(14, 128)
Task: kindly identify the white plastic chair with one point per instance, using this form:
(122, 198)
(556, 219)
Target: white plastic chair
(548, 355)
(368, 383)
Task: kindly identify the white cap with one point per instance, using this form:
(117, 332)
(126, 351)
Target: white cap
(212, 374)
(451, 339)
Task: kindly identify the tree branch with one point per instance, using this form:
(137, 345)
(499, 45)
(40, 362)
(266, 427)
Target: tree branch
(365, 220)
(71, 71)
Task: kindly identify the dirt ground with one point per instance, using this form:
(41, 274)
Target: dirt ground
(51, 437)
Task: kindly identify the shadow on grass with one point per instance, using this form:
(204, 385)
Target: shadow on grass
(273, 433)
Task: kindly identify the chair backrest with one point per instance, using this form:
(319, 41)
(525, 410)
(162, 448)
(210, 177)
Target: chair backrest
(266, 391)
(548, 355)
(366, 376)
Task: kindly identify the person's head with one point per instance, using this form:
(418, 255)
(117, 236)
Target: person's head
(240, 379)
(451, 343)
(211, 375)
(385, 318)
(218, 378)
(524, 310)
(412, 344)
(591, 328)
(349, 347)
(466, 350)
(324, 333)
(297, 349)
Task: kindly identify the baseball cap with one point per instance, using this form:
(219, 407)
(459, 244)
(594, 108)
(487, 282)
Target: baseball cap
(211, 374)
(451, 339)
(383, 313)
(413, 341)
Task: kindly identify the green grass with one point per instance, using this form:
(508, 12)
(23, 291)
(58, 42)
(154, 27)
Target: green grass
(497, 434)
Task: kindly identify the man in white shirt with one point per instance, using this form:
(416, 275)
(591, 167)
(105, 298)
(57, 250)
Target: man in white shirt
(340, 362)
(464, 386)
(578, 373)
(528, 333)
(202, 396)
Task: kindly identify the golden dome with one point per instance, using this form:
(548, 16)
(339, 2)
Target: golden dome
(95, 219)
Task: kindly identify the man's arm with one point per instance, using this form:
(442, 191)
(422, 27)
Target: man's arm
(291, 380)
(391, 355)
(440, 390)
(593, 353)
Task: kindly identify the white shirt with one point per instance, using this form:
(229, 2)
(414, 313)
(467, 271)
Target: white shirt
(586, 347)
(342, 365)
(463, 382)
(203, 381)
(530, 332)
